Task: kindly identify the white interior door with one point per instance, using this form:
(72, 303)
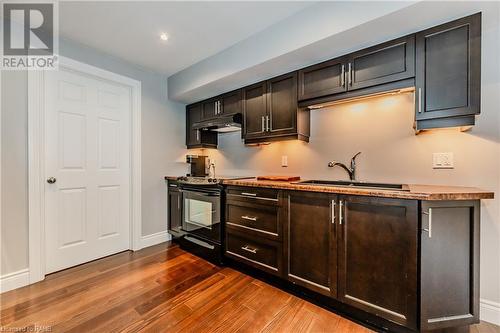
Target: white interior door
(87, 152)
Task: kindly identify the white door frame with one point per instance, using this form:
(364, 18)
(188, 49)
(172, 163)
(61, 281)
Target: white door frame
(36, 158)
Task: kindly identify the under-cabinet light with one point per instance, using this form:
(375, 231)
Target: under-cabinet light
(361, 98)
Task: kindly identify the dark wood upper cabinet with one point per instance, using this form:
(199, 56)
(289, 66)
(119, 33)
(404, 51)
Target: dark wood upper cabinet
(230, 103)
(210, 108)
(323, 79)
(282, 104)
(448, 71)
(383, 63)
(270, 111)
(312, 242)
(193, 114)
(198, 138)
(449, 264)
(254, 110)
(378, 256)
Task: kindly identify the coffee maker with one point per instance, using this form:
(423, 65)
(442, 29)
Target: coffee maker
(199, 165)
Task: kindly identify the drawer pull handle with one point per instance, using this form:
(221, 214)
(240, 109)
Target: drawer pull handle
(249, 194)
(249, 218)
(249, 249)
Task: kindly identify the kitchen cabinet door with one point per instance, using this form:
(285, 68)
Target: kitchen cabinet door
(193, 114)
(174, 210)
(254, 110)
(326, 78)
(282, 105)
(449, 264)
(383, 63)
(230, 103)
(210, 108)
(448, 70)
(378, 256)
(312, 241)
(197, 138)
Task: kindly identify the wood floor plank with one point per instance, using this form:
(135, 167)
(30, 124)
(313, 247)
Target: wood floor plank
(163, 288)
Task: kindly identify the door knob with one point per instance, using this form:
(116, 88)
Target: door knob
(51, 180)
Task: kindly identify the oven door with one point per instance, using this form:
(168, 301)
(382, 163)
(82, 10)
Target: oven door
(202, 213)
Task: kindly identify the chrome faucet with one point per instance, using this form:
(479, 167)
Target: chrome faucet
(350, 171)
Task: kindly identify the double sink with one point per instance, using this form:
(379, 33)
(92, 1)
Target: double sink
(366, 185)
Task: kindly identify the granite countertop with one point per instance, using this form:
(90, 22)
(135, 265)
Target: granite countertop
(413, 191)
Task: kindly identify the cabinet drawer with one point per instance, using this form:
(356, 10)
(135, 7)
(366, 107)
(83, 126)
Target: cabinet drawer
(255, 218)
(261, 254)
(253, 194)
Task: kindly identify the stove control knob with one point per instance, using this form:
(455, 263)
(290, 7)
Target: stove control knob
(214, 180)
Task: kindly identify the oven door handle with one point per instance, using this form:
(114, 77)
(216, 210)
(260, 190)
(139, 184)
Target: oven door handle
(204, 194)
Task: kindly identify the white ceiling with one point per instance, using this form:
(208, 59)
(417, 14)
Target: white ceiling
(197, 30)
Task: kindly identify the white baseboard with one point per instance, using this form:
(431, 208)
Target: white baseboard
(489, 311)
(14, 280)
(156, 238)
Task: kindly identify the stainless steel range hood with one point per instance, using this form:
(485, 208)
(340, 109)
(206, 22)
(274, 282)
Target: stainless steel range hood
(222, 124)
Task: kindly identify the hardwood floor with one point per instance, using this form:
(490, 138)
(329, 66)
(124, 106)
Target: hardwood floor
(163, 288)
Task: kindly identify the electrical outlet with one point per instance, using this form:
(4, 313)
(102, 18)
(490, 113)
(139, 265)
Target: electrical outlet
(284, 161)
(442, 161)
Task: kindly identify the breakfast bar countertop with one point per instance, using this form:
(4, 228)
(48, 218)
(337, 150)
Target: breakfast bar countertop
(411, 191)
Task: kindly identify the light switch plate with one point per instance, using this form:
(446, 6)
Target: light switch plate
(284, 161)
(442, 161)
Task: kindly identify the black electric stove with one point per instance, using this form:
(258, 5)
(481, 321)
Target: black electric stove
(201, 209)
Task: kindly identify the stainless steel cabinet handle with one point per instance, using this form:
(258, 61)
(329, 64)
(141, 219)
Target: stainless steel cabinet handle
(341, 213)
(419, 100)
(220, 107)
(249, 249)
(263, 124)
(51, 180)
(179, 202)
(197, 135)
(268, 122)
(342, 76)
(429, 230)
(249, 194)
(333, 211)
(350, 74)
(250, 218)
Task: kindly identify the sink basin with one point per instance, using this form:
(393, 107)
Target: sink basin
(381, 186)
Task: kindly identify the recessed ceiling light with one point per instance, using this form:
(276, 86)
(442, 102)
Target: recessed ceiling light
(163, 36)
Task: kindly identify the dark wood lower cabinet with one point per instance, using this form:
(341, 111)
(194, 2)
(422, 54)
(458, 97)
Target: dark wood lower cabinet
(449, 264)
(406, 265)
(312, 242)
(378, 256)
